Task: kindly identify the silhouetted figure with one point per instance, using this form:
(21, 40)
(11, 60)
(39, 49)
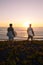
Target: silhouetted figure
(11, 33)
(30, 32)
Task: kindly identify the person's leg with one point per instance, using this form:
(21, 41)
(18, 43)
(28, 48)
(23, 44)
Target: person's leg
(31, 38)
(12, 39)
(28, 38)
(9, 38)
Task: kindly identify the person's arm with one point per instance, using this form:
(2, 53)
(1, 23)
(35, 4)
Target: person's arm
(33, 32)
(7, 29)
(14, 33)
(27, 30)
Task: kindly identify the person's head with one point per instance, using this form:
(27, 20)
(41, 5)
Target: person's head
(10, 25)
(29, 25)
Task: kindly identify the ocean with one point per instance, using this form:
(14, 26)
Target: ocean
(22, 33)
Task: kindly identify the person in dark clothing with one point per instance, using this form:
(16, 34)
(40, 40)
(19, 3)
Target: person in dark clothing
(30, 32)
(11, 33)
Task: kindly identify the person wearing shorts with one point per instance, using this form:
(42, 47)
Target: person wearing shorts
(11, 32)
(30, 32)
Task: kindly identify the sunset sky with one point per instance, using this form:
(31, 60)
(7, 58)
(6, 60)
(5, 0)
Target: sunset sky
(21, 13)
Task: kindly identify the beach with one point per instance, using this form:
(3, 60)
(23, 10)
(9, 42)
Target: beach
(21, 20)
(21, 52)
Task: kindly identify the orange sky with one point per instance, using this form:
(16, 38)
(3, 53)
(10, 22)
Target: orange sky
(22, 24)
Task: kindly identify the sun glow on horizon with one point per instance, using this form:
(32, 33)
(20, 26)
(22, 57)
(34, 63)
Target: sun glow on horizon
(26, 24)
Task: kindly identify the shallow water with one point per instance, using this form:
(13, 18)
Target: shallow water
(22, 33)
